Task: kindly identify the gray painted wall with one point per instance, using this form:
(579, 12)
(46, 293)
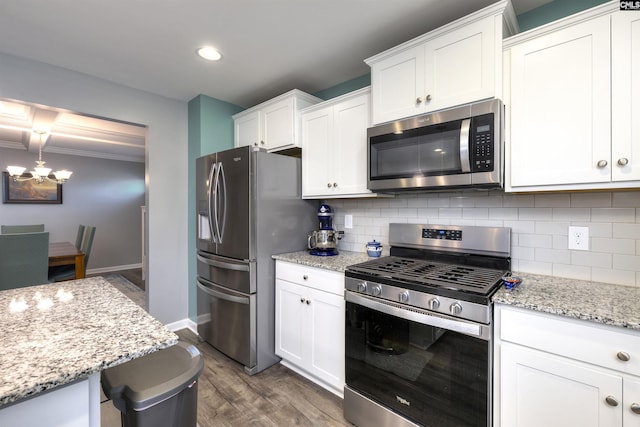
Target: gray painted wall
(166, 162)
(103, 193)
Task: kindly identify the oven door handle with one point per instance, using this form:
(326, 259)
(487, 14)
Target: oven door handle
(420, 316)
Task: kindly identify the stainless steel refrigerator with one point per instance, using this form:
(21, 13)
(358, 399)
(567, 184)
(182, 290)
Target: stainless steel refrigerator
(249, 208)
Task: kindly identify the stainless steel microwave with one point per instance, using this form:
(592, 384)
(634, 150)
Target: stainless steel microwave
(460, 147)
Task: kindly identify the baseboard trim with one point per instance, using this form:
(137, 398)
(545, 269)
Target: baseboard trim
(183, 324)
(114, 268)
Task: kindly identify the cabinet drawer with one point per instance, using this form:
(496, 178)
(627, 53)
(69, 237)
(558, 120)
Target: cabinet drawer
(317, 278)
(600, 345)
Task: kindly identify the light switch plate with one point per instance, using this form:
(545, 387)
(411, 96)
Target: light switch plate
(579, 238)
(348, 221)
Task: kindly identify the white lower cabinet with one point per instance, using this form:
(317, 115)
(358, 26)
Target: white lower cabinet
(310, 323)
(558, 372)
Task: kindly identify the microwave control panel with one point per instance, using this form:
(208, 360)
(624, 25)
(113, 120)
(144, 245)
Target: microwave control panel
(482, 143)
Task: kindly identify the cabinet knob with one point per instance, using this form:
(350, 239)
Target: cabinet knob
(305, 277)
(623, 161)
(624, 356)
(428, 98)
(418, 100)
(302, 300)
(335, 184)
(261, 142)
(602, 163)
(635, 408)
(328, 185)
(611, 401)
(308, 302)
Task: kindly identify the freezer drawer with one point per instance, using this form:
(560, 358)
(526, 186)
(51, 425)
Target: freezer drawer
(226, 320)
(237, 275)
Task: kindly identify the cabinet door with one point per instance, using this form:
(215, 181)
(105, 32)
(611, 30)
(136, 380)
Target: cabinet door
(560, 106)
(278, 124)
(247, 129)
(625, 150)
(318, 152)
(460, 66)
(351, 120)
(397, 85)
(291, 341)
(539, 389)
(326, 323)
(631, 407)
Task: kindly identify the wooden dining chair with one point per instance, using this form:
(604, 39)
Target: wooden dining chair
(27, 228)
(79, 236)
(68, 272)
(24, 259)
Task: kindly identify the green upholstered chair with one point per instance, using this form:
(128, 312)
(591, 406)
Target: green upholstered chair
(68, 272)
(24, 259)
(79, 236)
(28, 228)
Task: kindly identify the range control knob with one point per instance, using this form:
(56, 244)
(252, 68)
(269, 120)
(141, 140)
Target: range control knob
(434, 303)
(376, 290)
(403, 296)
(455, 308)
(362, 287)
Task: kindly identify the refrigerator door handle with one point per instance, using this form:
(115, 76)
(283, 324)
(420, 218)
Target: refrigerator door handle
(223, 265)
(215, 195)
(208, 288)
(210, 187)
(222, 215)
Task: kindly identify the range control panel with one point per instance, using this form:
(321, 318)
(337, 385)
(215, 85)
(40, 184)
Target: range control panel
(434, 233)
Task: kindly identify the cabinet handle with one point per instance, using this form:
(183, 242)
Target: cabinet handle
(602, 163)
(611, 401)
(624, 356)
(635, 408)
(418, 100)
(623, 161)
(305, 277)
(428, 98)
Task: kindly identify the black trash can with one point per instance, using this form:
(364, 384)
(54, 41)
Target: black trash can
(159, 389)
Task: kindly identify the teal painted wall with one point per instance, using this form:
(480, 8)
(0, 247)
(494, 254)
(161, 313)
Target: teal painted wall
(210, 130)
(553, 11)
(345, 87)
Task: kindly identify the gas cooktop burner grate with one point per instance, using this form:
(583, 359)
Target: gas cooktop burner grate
(451, 276)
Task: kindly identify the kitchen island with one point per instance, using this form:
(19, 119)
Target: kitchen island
(56, 340)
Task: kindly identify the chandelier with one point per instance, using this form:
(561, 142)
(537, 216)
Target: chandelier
(40, 173)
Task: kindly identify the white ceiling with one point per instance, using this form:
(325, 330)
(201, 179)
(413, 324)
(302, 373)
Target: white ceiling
(268, 46)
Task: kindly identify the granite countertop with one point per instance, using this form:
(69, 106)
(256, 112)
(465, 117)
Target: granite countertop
(58, 333)
(614, 305)
(336, 262)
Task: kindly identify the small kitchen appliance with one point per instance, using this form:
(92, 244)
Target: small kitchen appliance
(418, 348)
(324, 242)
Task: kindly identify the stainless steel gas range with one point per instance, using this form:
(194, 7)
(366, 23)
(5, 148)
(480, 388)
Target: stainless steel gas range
(418, 327)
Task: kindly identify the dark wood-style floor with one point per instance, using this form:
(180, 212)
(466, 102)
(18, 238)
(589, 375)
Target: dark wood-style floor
(227, 396)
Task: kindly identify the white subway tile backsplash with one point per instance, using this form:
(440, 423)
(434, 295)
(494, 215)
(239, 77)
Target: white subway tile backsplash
(539, 225)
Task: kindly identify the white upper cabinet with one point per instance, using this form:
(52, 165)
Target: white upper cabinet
(274, 124)
(334, 147)
(455, 64)
(570, 101)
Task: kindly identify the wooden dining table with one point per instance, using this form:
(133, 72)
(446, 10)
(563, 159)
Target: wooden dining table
(66, 253)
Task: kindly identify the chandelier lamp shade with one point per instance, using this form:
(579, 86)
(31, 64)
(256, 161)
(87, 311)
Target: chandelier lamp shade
(40, 172)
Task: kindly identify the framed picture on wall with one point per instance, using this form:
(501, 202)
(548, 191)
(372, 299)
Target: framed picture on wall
(29, 191)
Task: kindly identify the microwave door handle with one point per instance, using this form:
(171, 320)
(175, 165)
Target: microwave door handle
(465, 164)
(210, 191)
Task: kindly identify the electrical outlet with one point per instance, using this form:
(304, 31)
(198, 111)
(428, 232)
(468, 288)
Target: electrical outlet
(579, 238)
(348, 221)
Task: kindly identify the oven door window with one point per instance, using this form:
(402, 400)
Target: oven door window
(432, 376)
(434, 150)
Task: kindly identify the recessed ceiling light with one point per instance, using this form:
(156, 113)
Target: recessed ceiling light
(209, 53)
